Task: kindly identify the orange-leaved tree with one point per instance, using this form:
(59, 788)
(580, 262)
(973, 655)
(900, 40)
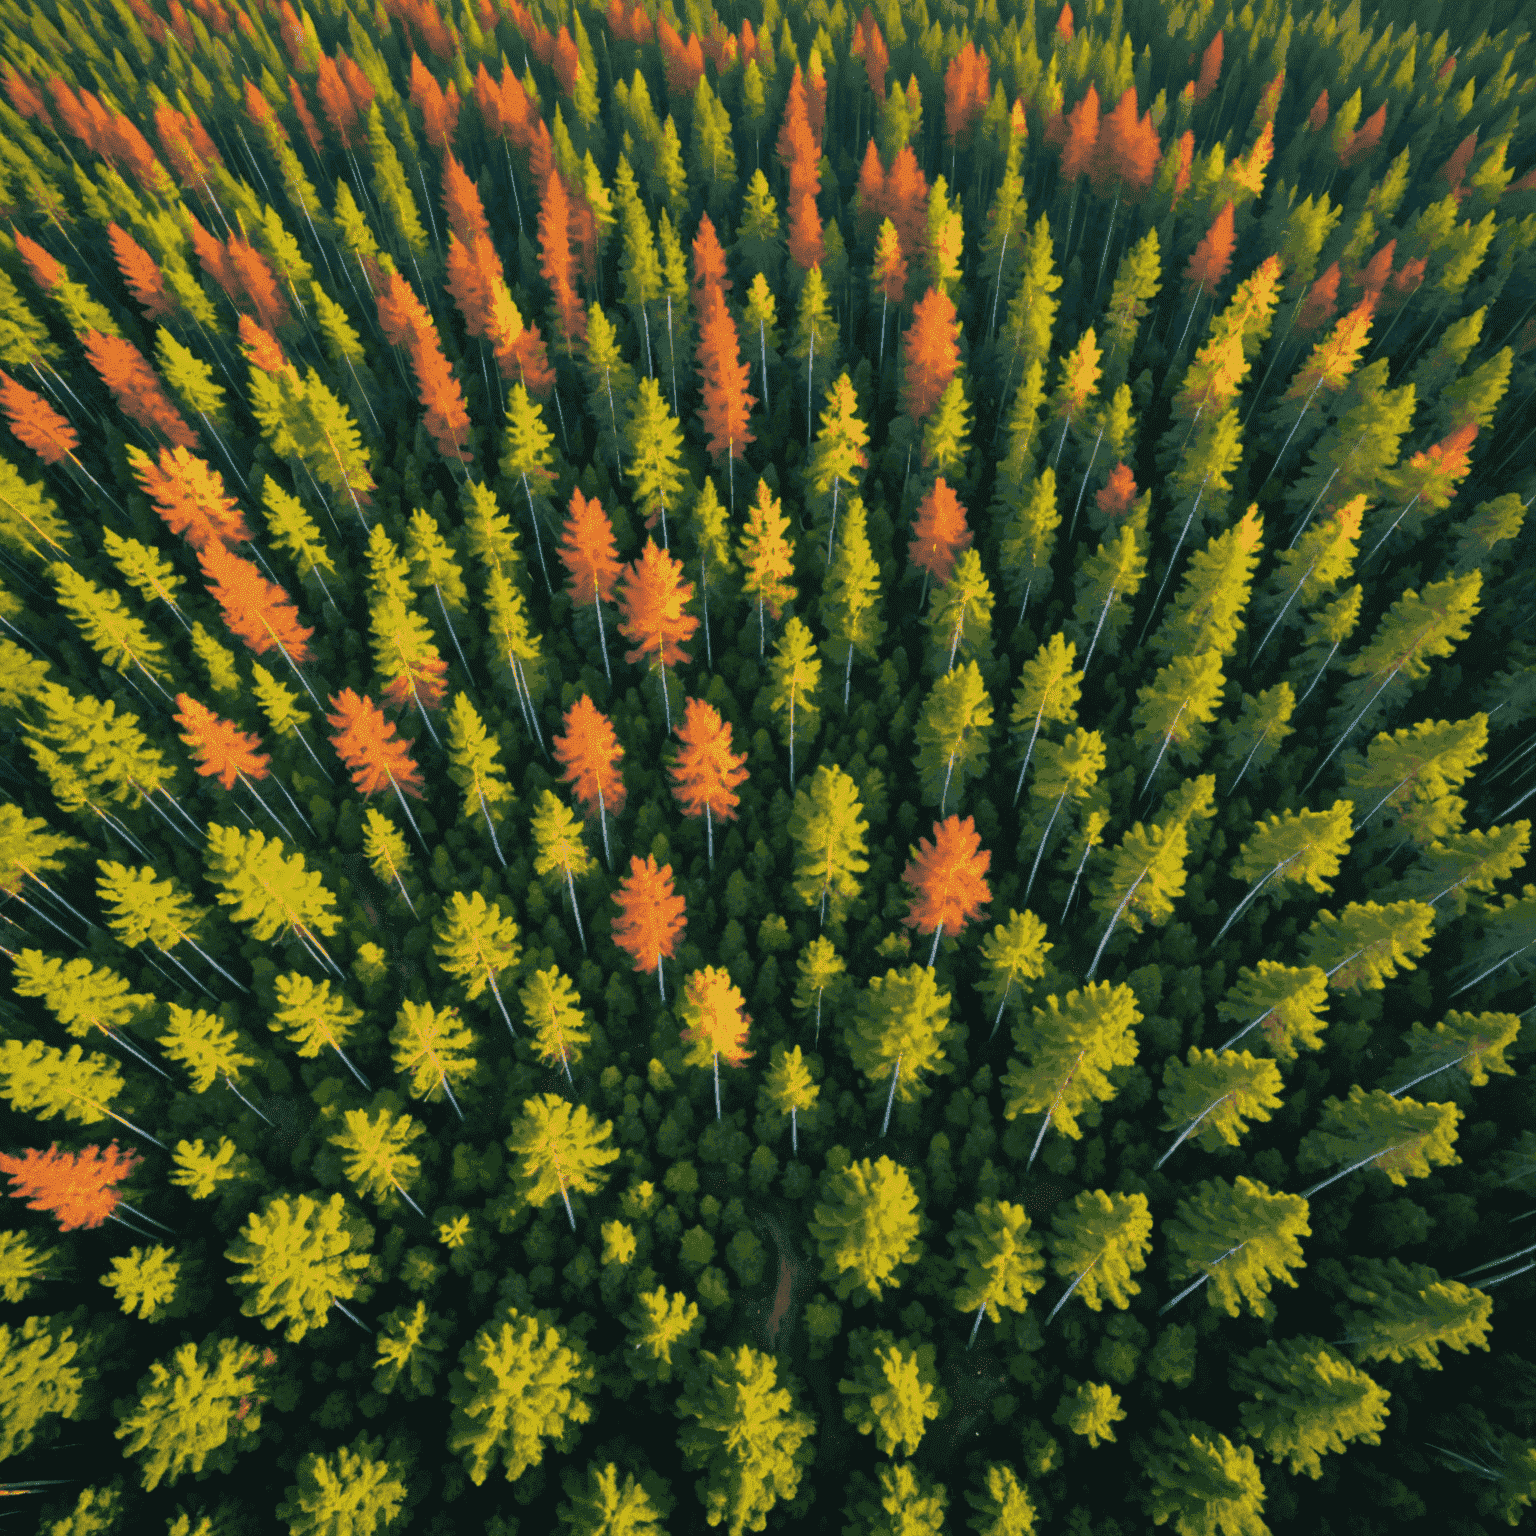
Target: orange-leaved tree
(555, 261)
(133, 385)
(591, 560)
(930, 353)
(652, 600)
(189, 496)
(224, 752)
(651, 916)
(365, 741)
(141, 274)
(35, 423)
(255, 609)
(717, 1021)
(589, 752)
(76, 1188)
(939, 532)
(706, 771)
(948, 880)
(1211, 258)
(726, 404)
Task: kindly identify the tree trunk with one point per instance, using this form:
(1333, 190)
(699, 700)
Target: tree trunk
(717, 1085)
(981, 1312)
(570, 885)
(890, 1098)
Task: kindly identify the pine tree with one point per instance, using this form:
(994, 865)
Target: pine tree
(518, 1385)
(78, 1189)
(767, 559)
(893, 1392)
(599, 1503)
(1305, 1400)
(476, 945)
(901, 1020)
(366, 743)
(709, 527)
(560, 851)
(1474, 1042)
(196, 1410)
(1206, 613)
(866, 1228)
(44, 1081)
(375, 1156)
(959, 617)
(272, 892)
(1200, 1480)
(930, 353)
(850, 601)
(660, 1323)
(431, 1048)
(121, 639)
(947, 878)
(1399, 1137)
(840, 452)
(747, 1437)
(353, 1484)
(610, 381)
(652, 600)
(561, 1148)
(726, 405)
(939, 532)
(1217, 1095)
(829, 835)
(651, 916)
(589, 752)
(552, 1011)
(255, 610)
(527, 459)
(1013, 951)
(1296, 848)
(706, 772)
(475, 766)
(1242, 1238)
(1071, 1045)
(789, 1089)
(1364, 945)
(1000, 1262)
(1176, 706)
(205, 1046)
(1407, 780)
(794, 675)
(952, 733)
(1406, 1311)
(1100, 1243)
(1107, 583)
(713, 1011)
(653, 441)
(815, 342)
(302, 1257)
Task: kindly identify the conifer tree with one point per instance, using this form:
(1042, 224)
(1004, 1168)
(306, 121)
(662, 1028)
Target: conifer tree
(1364, 945)
(560, 1147)
(1048, 689)
(794, 675)
(893, 1392)
(1174, 709)
(866, 1228)
(431, 1048)
(589, 752)
(475, 766)
(1069, 770)
(902, 1020)
(1013, 951)
(518, 1384)
(939, 532)
(1406, 1311)
(384, 848)
(660, 1323)
(1242, 1237)
(1206, 613)
(301, 1257)
(828, 831)
(651, 916)
(552, 1011)
(352, 1484)
(1217, 1095)
(789, 1089)
(652, 600)
(1100, 1243)
(747, 1437)
(560, 850)
(952, 733)
(850, 601)
(840, 452)
(654, 443)
(815, 342)
(476, 945)
(1000, 1262)
(767, 560)
(78, 1189)
(716, 1022)
(313, 1019)
(1071, 1045)
(709, 526)
(272, 892)
(706, 772)
(1107, 583)
(121, 639)
(1200, 1480)
(1304, 1399)
(1398, 1137)
(947, 879)
(610, 382)
(959, 617)
(375, 1156)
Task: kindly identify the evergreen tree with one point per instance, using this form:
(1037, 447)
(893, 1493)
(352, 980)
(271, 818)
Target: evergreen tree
(999, 1262)
(476, 944)
(1305, 1400)
(1218, 1095)
(1071, 1046)
(351, 1489)
(653, 441)
(1100, 1243)
(1399, 1137)
(196, 1410)
(518, 1385)
(952, 733)
(375, 1156)
(1406, 1312)
(716, 1022)
(1107, 583)
(600, 1505)
(1206, 613)
(1014, 951)
(789, 1089)
(1253, 739)
(747, 1438)
(560, 851)
(659, 1323)
(1242, 1238)
(818, 968)
(893, 1392)
(840, 452)
(1364, 946)
(561, 1149)
(553, 1013)
(899, 1502)
(1091, 1411)
(1027, 520)
(815, 341)
(431, 1049)
(794, 675)
(901, 1021)
(1202, 1482)
(959, 617)
(301, 1258)
(866, 1228)
(1283, 1001)
(475, 766)
(850, 600)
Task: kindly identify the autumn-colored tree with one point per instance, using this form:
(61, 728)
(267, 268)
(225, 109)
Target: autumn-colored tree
(1213, 255)
(255, 609)
(133, 385)
(725, 405)
(591, 561)
(650, 919)
(366, 742)
(78, 1189)
(715, 1022)
(767, 560)
(189, 497)
(652, 600)
(589, 752)
(947, 878)
(939, 532)
(706, 771)
(555, 219)
(930, 353)
(35, 423)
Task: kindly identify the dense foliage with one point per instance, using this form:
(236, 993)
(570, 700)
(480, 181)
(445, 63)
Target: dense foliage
(763, 769)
